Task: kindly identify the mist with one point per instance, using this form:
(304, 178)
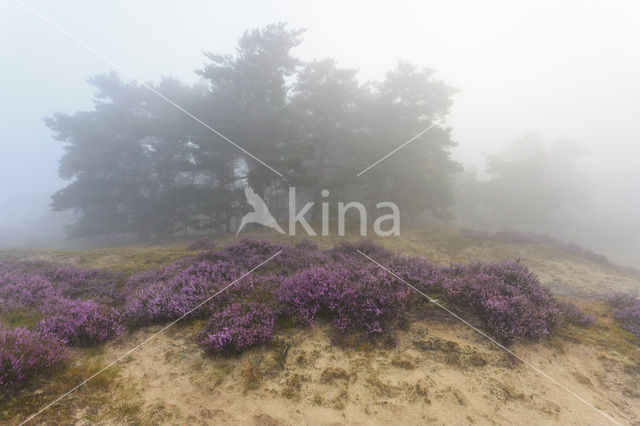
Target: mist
(528, 80)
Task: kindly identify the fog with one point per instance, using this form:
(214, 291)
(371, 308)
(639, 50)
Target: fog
(557, 71)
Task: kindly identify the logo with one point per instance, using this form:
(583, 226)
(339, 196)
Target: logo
(263, 216)
(260, 213)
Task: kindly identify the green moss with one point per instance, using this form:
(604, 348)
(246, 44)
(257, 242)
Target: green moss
(20, 318)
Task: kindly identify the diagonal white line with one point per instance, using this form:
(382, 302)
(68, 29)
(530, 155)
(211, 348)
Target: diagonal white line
(465, 104)
(533, 367)
(112, 63)
(145, 341)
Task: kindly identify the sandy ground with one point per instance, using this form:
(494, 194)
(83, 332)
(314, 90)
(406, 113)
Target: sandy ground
(441, 372)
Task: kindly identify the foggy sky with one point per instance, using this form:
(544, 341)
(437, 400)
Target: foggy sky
(584, 84)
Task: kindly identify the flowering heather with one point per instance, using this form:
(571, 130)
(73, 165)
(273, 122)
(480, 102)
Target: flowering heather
(175, 290)
(351, 295)
(22, 289)
(24, 354)
(424, 275)
(572, 314)
(238, 327)
(60, 294)
(83, 283)
(80, 322)
(246, 253)
(35, 284)
(302, 283)
(300, 256)
(506, 296)
(626, 311)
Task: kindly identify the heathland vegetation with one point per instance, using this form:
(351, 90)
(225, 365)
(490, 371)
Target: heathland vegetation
(57, 306)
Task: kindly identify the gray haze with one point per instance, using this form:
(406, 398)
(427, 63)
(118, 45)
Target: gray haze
(564, 70)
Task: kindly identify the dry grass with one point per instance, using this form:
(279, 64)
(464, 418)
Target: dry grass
(87, 401)
(292, 386)
(251, 374)
(403, 361)
(127, 259)
(331, 374)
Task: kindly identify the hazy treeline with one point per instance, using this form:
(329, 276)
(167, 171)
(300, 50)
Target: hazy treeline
(538, 187)
(138, 164)
(531, 186)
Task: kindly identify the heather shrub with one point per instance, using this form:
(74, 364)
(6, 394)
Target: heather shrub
(371, 300)
(626, 311)
(59, 295)
(237, 327)
(80, 322)
(174, 291)
(22, 289)
(307, 292)
(197, 282)
(572, 314)
(353, 296)
(424, 275)
(147, 305)
(245, 254)
(36, 284)
(506, 296)
(141, 280)
(24, 354)
(83, 283)
(299, 256)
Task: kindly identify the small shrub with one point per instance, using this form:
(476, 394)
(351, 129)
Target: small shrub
(83, 283)
(18, 289)
(302, 255)
(424, 275)
(507, 297)
(37, 283)
(245, 254)
(80, 322)
(238, 327)
(173, 291)
(572, 314)
(24, 354)
(626, 311)
(353, 295)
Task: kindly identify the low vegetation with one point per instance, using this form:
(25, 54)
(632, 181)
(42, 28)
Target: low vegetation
(79, 307)
(626, 311)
